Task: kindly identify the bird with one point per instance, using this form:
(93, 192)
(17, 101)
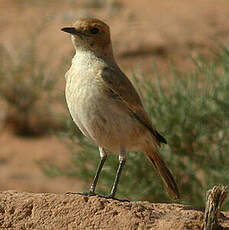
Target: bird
(106, 107)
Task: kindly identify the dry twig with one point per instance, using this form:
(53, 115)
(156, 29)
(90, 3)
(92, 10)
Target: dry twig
(214, 202)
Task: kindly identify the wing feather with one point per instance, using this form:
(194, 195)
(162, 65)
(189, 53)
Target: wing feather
(121, 86)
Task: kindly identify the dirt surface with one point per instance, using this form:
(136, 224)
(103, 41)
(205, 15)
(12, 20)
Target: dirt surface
(51, 211)
(142, 31)
(19, 164)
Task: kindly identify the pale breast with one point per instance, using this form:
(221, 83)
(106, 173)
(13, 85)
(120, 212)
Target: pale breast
(81, 95)
(100, 117)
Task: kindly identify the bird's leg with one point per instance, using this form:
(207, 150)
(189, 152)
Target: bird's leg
(122, 161)
(103, 156)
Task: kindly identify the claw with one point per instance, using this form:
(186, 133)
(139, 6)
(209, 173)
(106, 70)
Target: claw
(112, 198)
(81, 193)
(94, 194)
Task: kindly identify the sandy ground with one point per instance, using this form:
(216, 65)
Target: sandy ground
(51, 211)
(142, 32)
(19, 164)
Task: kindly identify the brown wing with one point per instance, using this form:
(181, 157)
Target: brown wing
(122, 86)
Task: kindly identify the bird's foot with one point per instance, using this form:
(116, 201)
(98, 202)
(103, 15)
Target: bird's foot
(81, 193)
(112, 198)
(94, 194)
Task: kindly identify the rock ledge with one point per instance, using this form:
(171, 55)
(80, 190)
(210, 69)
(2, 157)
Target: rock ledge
(21, 210)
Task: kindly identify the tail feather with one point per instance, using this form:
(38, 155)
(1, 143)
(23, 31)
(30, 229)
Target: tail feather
(163, 171)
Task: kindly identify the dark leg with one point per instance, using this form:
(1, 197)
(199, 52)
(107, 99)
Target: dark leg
(103, 155)
(122, 161)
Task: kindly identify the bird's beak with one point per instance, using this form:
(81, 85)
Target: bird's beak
(71, 30)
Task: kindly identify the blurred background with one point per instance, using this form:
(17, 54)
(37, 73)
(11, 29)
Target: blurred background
(176, 54)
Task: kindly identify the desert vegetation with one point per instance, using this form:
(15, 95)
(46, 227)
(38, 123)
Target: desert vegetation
(27, 90)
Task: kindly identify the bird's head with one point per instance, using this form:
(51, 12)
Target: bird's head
(90, 34)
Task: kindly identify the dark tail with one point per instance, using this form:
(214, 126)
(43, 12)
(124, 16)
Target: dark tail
(166, 176)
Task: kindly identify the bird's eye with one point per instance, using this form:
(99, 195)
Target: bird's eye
(94, 30)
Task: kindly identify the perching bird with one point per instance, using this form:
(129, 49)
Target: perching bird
(106, 107)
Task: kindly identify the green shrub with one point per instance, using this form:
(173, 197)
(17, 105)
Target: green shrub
(192, 112)
(26, 87)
